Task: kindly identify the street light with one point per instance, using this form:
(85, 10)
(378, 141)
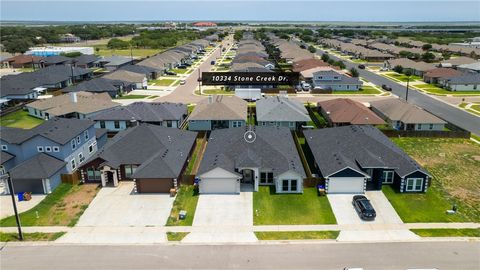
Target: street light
(408, 73)
(6, 176)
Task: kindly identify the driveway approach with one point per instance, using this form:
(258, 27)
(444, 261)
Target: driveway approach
(226, 218)
(346, 215)
(119, 206)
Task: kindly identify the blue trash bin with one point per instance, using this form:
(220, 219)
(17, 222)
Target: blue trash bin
(20, 196)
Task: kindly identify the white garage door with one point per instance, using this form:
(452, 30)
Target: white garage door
(219, 185)
(345, 185)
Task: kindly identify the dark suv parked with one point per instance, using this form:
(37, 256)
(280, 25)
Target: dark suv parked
(363, 207)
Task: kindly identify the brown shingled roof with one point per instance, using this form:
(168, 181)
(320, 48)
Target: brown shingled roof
(344, 110)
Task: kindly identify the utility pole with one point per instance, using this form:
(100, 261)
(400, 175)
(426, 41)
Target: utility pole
(199, 81)
(406, 95)
(6, 176)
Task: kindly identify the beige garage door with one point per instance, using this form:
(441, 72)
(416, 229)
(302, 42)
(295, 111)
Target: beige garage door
(219, 185)
(345, 185)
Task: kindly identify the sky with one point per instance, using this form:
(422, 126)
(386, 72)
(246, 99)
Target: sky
(250, 10)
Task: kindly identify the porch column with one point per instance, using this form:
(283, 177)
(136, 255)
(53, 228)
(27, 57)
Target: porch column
(102, 178)
(115, 178)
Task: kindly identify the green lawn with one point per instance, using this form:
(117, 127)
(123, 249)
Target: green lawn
(297, 235)
(137, 53)
(433, 89)
(454, 164)
(20, 119)
(195, 153)
(176, 236)
(62, 207)
(447, 232)
(162, 82)
(190, 108)
(133, 97)
(13, 237)
(402, 77)
(179, 70)
(270, 208)
(218, 92)
(186, 200)
(365, 90)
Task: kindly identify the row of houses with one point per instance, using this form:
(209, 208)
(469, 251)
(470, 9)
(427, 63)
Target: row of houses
(355, 51)
(455, 49)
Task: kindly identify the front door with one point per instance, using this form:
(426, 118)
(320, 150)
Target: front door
(247, 176)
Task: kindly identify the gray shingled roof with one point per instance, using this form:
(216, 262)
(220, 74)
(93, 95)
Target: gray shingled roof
(145, 112)
(355, 146)
(60, 130)
(343, 78)
(40, 166)
(273, 148)
(85, 59)
(56, 59)
(281, 109)
(161, 152)
(94, 85)
(468, 78)
(398, 110)
(5, 156)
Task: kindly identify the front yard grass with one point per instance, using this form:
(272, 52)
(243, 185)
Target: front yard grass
(13, 237)
(162, 82)
(433, 89)
(62, 207)
(270, 208)
(176, 236)
(180, 70)
(454, 164)
(365, 90)
(218, 92)
(447, 232)
(133, 97)
(20, 119)
(186, 199)
(402, 77)
(297, 235)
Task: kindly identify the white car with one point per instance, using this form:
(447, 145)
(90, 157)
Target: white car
(182, 82)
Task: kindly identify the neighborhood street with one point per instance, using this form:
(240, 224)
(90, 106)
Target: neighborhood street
(314, 255)
(441, 109)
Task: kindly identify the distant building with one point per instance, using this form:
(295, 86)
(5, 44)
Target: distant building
(50, 50)
(205, 24)
(69, 38)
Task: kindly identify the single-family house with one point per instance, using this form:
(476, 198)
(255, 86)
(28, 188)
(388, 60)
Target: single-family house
(113, 62)
(152, 156)
(457, 61)
(310, 63)
(216, 112)
(281, 112)
(473, 67)
(55, 60)
(417, 68)
(246, 157)
(354, 159)
(434, 75)
(336, 81)
(137, 79)
(150, 73)
(162, 114)
(405, 116)
(101, 85)
(78, 105)
(464, 82)
(85, 60)
(22, 61)
(344, 111)
(43, 153)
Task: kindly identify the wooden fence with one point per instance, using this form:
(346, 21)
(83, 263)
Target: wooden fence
(73, 178)
(313, 181)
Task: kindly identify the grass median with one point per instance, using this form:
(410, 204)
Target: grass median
(297, 235)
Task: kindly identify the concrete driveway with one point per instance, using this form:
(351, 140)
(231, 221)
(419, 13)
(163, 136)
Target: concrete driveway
(346, 215)
(6, 206)
(223, 218)
(119, 206)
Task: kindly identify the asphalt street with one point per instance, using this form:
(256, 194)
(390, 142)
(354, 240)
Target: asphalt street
(331, 255)
(449, 113)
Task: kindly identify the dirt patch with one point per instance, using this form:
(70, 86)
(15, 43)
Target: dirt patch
(476, 158)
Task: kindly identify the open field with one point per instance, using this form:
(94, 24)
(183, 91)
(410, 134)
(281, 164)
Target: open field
(270, 208)
(454, 165)
(20, 119)
(103, 50)
(62, 207)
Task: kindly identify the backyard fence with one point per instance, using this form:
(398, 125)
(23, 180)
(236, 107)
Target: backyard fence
(73, 178)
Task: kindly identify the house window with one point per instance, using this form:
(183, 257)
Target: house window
(169, 123)
(237, 123)
(90, 148)
(40, 148)
(78, 140)
(419, 126)
(266, 177)
(291, 124)
(81, 158)
(102, 124)
(93, 174)
(293, 185)
(414, 184)
(74, 145)
(48, 149)
(116, 124)
(85, 134)
(56, 149)
(285, 185)
(73, 163)
(431, 126)
(4, 147)
(129, 170)
(2, 170)
(387, 177)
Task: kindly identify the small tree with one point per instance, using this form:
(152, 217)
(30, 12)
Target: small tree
(398, 69)
(331, 62)
(312, 49)
(408, 72)
(428, 57)
(354, 72)
(446, 55)
(325, 57)
(426, 47)
(340, 64)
